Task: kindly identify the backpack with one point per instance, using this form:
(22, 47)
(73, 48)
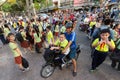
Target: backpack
(19, 37)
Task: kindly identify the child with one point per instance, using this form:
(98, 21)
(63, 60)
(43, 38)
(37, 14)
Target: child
(37, 40)
(57, 29)
(101, 46)
(25, 44)
(61, 45)
(49, 35)
(63, 29)
(16, 51)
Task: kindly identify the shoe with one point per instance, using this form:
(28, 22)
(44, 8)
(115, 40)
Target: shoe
(92, 70)
(62, 65)
(74, 74)
(23, 70)
(27, 69)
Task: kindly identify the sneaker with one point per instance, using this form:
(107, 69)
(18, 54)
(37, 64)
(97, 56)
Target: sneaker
(92, 70)
(62, 65)
(27, 69)
(74, 74)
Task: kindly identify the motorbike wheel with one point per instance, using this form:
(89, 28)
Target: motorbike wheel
(47, 71)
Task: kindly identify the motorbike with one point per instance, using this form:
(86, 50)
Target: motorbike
(49, 67)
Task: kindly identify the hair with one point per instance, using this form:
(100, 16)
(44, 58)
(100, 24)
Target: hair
(8, 36)
(62, 34)
(6, 26)
(21, 27)
(48, 27)
(107, 21)
(105, 31)
(116, 25)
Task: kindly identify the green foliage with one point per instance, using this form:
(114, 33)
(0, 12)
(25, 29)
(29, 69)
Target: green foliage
(6, 7)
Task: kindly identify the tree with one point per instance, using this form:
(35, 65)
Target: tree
(6, 7)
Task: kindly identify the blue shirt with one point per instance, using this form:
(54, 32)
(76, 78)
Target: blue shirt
(71, 37)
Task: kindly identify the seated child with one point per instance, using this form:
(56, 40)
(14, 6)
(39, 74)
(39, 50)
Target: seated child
(61, 44)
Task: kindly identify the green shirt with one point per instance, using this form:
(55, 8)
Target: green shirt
(63, 29)
(37, 38)
(23, 35)
(49, 37)
(62, 44)
(6, 31)
(14, 46)
(56, 28)
(102, 47)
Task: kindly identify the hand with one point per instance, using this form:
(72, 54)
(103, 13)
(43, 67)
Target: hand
(52, 48)
(63, 51)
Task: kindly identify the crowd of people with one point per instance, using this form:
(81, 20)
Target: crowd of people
(58, 32)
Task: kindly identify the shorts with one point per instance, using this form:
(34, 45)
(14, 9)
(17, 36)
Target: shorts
(72, 53)
(25, 44)
(56, 33)
(18, 60)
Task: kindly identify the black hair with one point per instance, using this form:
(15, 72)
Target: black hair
(21, 27)
(105, 31)
(107, 21)
(116, 25)
(48, 27)
(6, 26)
(10, 34)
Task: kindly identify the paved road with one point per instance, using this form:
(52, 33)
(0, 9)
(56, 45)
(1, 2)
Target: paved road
(9, 71)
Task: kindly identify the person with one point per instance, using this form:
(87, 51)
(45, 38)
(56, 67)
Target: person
(49, 36)
(2, 38)
(56, 29)
(116, 32)
(63, 28)
(6, 30)
(24, 44)
(16, 51)
(102, 46)
(105, 26)
(61, 44)
(71, 37)
(37, 40)
(116, 56)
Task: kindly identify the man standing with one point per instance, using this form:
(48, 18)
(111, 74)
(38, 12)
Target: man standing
(71, 37)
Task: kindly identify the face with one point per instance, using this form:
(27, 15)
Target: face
(104, 36)
(68, 30)
(62, 37)
(12, 38)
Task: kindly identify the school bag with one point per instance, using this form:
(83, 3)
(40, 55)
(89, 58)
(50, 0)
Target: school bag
(25, 63)
(19, 37)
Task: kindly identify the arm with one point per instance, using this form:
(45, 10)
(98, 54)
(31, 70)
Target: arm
(111, 44)
(18, 51)
(69, 43)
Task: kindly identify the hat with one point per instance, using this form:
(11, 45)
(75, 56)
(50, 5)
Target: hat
(69, 25)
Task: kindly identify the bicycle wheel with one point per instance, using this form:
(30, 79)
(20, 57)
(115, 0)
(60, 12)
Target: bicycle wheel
(47, 71)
